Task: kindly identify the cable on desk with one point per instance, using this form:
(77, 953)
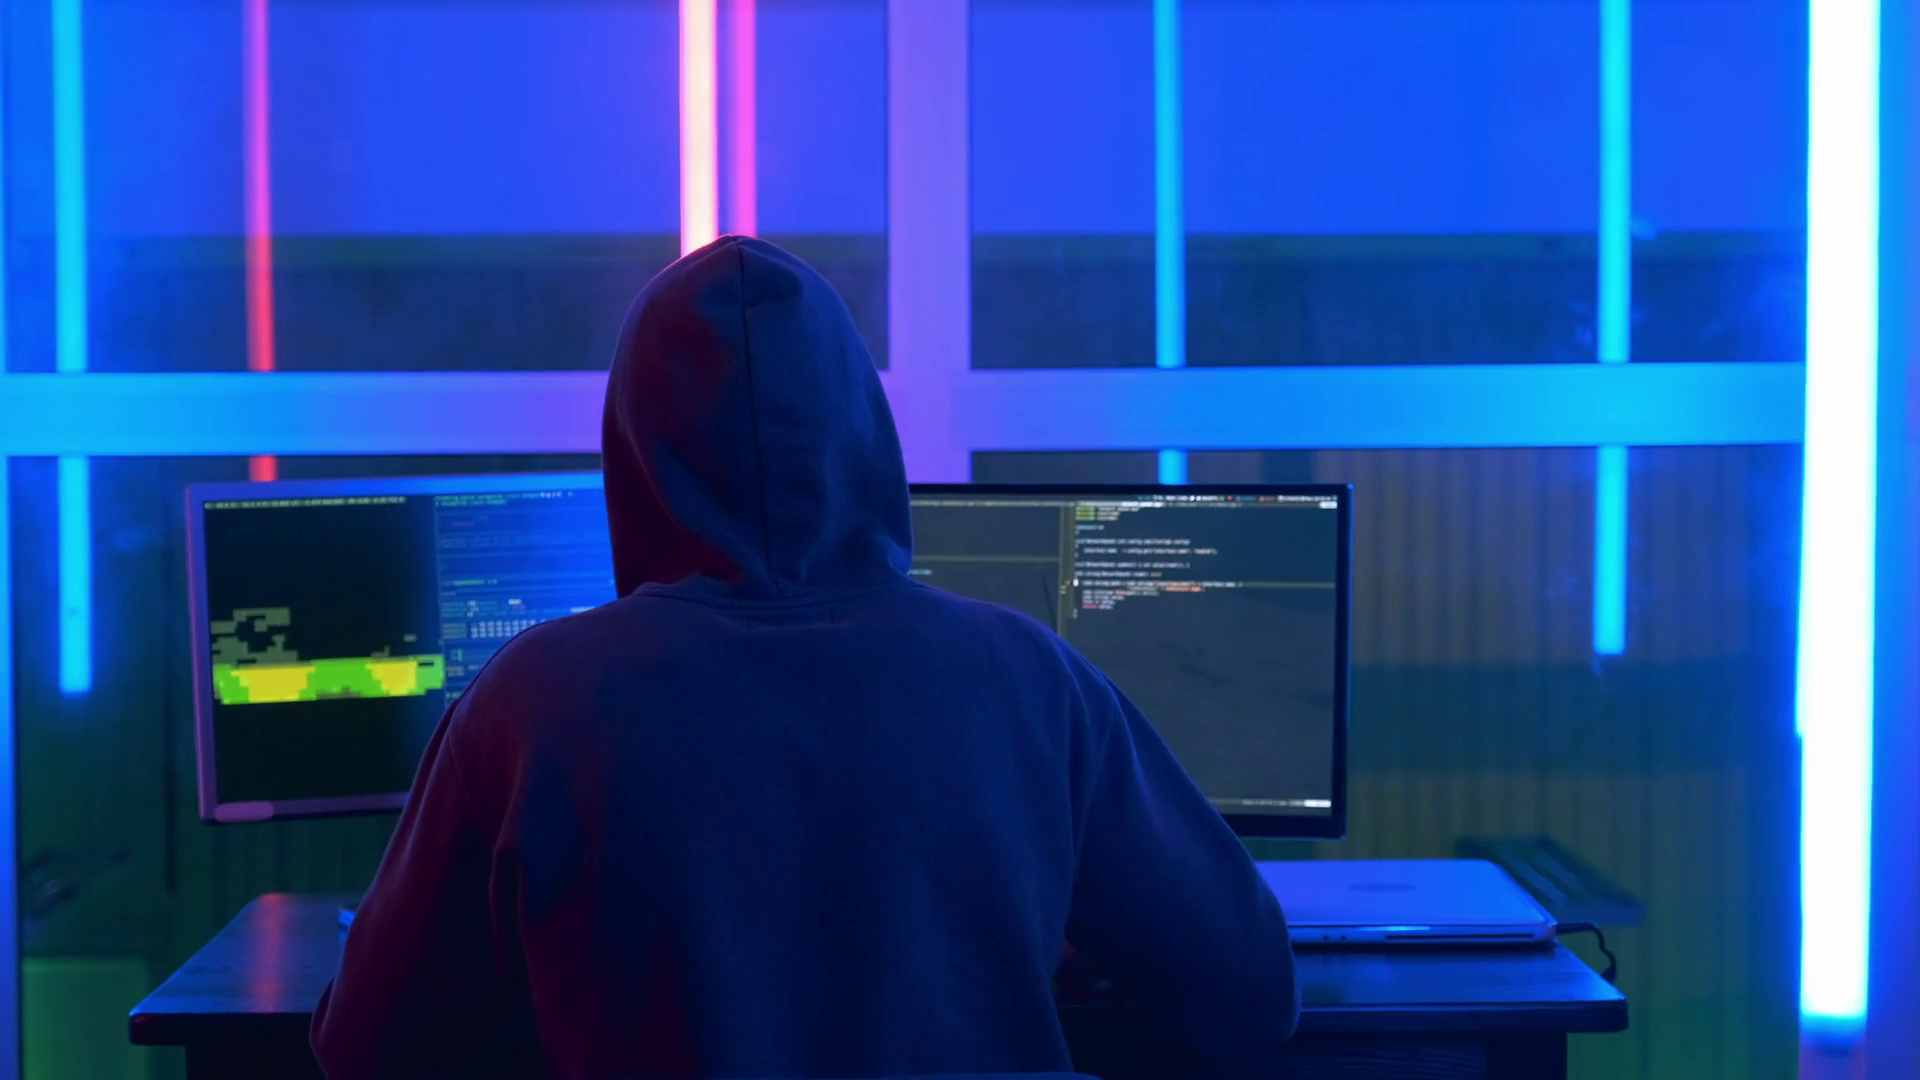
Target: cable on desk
(1600, 939)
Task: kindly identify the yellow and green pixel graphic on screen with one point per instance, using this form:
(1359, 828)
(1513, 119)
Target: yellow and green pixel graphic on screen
(276, 674)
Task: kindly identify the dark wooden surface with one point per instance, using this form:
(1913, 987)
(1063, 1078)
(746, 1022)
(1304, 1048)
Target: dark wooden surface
(242, 1004)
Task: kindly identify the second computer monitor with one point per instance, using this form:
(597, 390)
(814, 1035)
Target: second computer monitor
(1221, 612)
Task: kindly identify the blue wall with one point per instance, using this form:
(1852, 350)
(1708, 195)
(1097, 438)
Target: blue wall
(1303, 116)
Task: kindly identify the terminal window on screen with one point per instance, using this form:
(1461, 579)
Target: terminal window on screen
(1217, 615)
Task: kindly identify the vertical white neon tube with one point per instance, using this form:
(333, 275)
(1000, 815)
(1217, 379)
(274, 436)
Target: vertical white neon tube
(74, 524)
(699, 125)
(1834, 693)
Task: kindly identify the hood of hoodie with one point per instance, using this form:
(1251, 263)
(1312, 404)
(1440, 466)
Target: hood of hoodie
(747, 444)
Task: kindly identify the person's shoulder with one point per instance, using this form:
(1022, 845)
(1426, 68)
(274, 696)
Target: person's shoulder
(555, 642)
(985, 615)
(1016, 635)
(542, 667)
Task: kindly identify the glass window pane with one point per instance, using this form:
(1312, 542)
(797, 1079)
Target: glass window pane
(451, 187)
(827, 206)
(1383, 183)
(1719, 146)
(114, 858)
(1417, 186)
(1063, 195)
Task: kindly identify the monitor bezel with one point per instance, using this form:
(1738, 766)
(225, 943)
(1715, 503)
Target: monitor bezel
(1331, 826)
(206, 762)
(212, 810)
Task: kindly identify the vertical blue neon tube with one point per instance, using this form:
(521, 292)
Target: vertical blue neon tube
(72, 495)
(1169, 212)
(1613, 318)
(1833, 701)
(9, 776)
(1173, 466)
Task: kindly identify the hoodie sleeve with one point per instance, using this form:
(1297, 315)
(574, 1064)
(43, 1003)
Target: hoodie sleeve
(422, 990)
(1168, 904)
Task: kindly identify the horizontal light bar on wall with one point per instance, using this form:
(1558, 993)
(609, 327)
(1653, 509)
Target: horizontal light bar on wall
(194, 414)
(1380, 407)
(1834, 695)
(108, 415)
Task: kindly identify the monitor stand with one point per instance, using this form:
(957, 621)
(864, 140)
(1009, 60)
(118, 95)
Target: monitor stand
(346, 915)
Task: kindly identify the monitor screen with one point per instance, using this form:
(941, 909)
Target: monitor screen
(336, 620)
(1222, 612)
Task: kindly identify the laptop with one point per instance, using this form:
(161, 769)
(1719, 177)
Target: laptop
(1405, 902)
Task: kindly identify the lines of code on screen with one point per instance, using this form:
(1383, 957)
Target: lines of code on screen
(1217, 614)
(507, 561)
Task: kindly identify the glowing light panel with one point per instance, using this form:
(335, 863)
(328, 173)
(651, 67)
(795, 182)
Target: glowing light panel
(1169, 212)
(1173, 466)
(1219, 408)
(1613, 326)
(743, 180)
(1834, 693)
(9, 899)
(699, 126)
(1610, 551)
(74, 520)
(256, 155)
(74, 498)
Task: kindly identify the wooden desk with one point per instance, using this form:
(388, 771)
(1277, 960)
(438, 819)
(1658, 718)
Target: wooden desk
(241, 1006)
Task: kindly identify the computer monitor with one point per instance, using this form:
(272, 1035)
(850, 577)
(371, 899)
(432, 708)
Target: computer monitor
(1221, 611)
(334, 620)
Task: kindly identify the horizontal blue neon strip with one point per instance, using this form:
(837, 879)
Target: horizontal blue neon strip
(1380, 407)
(1137, 409)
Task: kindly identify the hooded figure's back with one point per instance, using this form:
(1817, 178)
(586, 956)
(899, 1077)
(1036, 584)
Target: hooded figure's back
(781, 811)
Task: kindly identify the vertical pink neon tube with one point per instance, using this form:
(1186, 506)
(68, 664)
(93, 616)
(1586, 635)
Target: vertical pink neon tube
(743, 214)
(257, 194)
(699, 126)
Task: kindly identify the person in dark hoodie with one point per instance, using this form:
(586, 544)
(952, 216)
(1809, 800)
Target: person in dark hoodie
(780, 811)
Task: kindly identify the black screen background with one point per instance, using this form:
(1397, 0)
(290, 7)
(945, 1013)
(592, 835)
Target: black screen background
(351, 591)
